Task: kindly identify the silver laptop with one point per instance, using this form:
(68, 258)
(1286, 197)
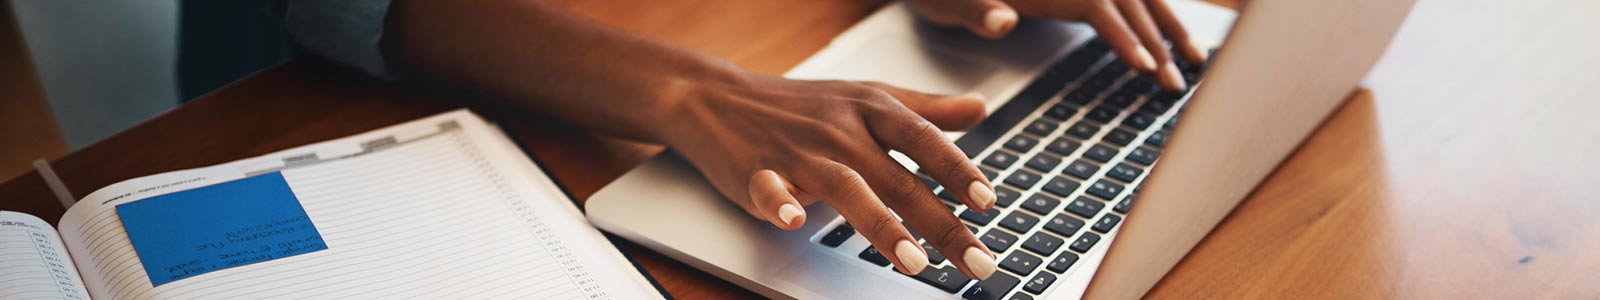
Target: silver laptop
(1072, 144)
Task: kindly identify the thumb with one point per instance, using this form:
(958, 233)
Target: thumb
(991, 19)
(945, 111)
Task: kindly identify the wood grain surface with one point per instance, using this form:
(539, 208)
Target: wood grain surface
(1468, 171)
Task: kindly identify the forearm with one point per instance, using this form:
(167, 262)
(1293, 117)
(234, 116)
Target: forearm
(535, 56)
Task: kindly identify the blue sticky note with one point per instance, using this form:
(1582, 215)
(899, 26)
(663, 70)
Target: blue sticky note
(225, 225)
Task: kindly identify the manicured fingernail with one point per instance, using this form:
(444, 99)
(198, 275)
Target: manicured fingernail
(788, 212)
(1172, 75)
(911, 256)
(1146, 62)
(999, 20)
(979, 263)
(981, 194)
(974, 96)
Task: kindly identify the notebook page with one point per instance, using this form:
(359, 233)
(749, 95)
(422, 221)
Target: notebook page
(33, 263)
(434, 208)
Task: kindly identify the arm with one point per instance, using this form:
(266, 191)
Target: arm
(768, 144)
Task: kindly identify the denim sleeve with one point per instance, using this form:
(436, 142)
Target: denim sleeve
(346, 32)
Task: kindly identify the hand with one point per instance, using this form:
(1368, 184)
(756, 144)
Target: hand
(1132, 27)
(773, 145)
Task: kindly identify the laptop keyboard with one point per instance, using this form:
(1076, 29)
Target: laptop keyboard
(1067, 155)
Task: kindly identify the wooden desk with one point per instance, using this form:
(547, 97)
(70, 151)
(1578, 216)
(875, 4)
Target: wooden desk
(1469, 171)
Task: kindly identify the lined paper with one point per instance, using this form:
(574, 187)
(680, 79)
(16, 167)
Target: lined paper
(443, 207)
(33, 262)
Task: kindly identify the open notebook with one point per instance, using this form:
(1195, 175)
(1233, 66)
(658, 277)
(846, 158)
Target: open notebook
(442, 207)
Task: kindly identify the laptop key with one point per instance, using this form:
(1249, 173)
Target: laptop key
(928, 181)
(1021, 262)
(1019, 296)
(1120, 99)
(1106, 223)
(1001, 160)
(1100, 153)
(1102, 114)
(872, 255)
(1157, 139)
(1079, 97)
(1155, 107)
(1119, 137)
(1083, 207)
(1060, 112)
(1021, 143)
(838, 235)
(1083, 243)
(1125, 172)
(1081, 169)
(997, 241)
(1041, 127)
(1004, 196)
(946, 278)
(1083, 130)
(1023, 179)
(1138, 121)
(1018, 222)
(1105, 189)
(1043, 162)
(1062, 262)
(947, 196)
(1062, 146)
(1143, 156)
(1125, 204)
(1039, 283)
(1061, 186)
(989, 174)
(981, 218)
(934, 256)
(991, 289)
(1042, 243)
(1041, 204)
(1063, 225)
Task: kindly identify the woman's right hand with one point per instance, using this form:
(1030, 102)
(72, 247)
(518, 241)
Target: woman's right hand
(772, 145)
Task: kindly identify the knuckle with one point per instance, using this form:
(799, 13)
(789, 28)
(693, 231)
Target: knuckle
(881, 225)
(951, 232)
(921, 133)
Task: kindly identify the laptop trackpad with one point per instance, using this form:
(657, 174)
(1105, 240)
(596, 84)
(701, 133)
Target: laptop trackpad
(903, 61)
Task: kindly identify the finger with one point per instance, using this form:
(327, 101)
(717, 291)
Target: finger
(773, 199)
(1138, 16)
(904, 193)
(849, 194)
(1174, 31)
(947, 112)
(1114, 29)
(935, 154)
(991, 19)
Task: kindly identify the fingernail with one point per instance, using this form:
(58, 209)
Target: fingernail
(981, 194)
(975, 96)
(788, 212)
(911, 256)
(1172, 75)
(1146, 62)
(999, 20)
(979, 263)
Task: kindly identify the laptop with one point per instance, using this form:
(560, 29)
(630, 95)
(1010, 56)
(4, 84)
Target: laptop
(1102, 189)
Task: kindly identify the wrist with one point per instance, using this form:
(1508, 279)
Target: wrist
(685, 99)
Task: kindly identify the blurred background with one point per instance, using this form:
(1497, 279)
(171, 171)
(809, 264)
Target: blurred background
(75, 72)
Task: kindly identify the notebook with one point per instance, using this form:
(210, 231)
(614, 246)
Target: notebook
(442, 207)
